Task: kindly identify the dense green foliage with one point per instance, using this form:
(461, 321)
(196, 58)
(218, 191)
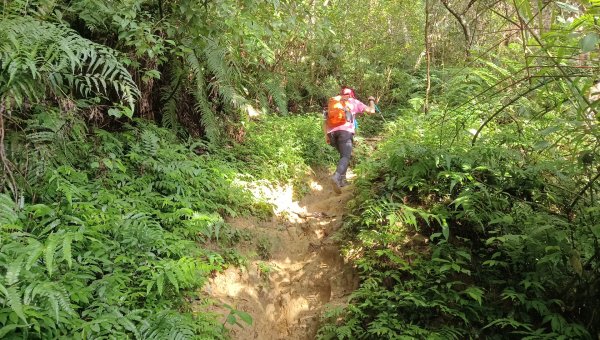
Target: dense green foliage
(129, 128)
(105, 244)
(284, 148)
(481, 219)
(507, 252)
(105, 239)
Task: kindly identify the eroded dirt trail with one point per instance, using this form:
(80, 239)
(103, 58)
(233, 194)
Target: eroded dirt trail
(286, 293)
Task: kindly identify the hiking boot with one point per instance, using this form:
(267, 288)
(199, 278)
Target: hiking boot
(343, 181)
(336, 183)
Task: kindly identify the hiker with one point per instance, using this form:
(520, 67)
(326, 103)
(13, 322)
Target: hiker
(339, 129)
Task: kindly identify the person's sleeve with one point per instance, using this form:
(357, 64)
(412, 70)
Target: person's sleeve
(359, 107)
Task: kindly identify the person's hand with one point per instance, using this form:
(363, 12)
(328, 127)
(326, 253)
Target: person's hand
(327, 140)
(371, 108)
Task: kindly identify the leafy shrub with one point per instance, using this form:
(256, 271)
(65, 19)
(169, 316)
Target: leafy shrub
(283, 148)
(103, 243)
(454, 241)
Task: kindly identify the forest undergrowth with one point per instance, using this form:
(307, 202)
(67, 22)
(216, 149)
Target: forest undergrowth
(116, 231)
(132, 130)
(460, 238)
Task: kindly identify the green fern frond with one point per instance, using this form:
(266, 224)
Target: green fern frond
(216, 62)
(226, 74)
(8, 213)
(150, 142)
(35, 249)
(39, 56)
(171, 93)
(55, 296)
(127, 323)
(278, 93)
(41, 137)
(50, 251)
(13, 297)
(66, 249)
(141, 232)
(168, 325)
(109, 143)
(14, 269)
(208, 117)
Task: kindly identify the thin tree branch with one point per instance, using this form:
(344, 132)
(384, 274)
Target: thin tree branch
(561, 69)
(463, 25)
(489, 119)
(468, 6)
(583, 190)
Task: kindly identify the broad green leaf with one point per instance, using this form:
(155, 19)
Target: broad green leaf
(247, 318)
(589, 42)
(475, 293)
(8, 328)
(446, 231)
(567, 7)
(114, 112)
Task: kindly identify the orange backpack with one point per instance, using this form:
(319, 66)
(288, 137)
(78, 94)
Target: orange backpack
(337, 111)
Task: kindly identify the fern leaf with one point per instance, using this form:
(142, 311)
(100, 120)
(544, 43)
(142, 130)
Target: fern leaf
(66, 249)
(160, 282)
(53, 301)
(8, 214)
(37, 52)
(208, 116)
(172, 279)
(278, 94)
(62, 297)
(36, 249)
(150, 142)
(49, 252)
(8, 328)
(126, 322)
(13, 271)
(169, 99)
(14, 300)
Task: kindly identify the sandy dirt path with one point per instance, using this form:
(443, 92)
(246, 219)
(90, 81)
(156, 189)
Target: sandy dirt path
(286, 293)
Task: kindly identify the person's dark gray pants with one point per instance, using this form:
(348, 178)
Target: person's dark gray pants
(342, 141)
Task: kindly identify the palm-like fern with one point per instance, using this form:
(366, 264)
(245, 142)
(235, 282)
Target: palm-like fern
(226, 74)
(37, 57)
(169, 99)
(275, 89)
(203, 106)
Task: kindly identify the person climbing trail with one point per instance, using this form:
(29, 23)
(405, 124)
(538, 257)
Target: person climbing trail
(339, 129)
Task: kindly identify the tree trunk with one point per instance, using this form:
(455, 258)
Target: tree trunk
(460, 17)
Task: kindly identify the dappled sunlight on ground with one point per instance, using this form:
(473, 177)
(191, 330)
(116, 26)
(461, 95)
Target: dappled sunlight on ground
(316, 186)
(286, 294)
